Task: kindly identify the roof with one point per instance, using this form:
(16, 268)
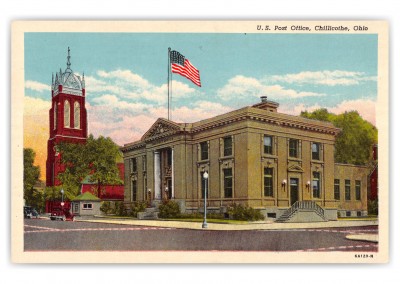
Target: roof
(264, 112)
(87, 196)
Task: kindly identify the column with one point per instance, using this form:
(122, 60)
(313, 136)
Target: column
(172, 174)
(157, 177)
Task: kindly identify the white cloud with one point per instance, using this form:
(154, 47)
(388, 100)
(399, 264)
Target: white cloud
(365, 107)
(326, 77)
(131, 86)
(201, 110)
(241, 87)
(37, 86)
(36, 106)
(127, 76)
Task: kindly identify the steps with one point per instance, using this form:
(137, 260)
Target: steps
(148, 214)
(303, 211)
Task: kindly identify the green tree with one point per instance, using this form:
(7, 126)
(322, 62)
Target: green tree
(354, 143)
(96, 158)
(32, 196)
(31, 172)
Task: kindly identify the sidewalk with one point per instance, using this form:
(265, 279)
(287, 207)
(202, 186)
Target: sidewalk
(264, 225)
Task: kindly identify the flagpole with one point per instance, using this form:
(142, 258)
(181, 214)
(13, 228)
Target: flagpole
(169, 70)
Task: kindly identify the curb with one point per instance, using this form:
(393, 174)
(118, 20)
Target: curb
(374, 238)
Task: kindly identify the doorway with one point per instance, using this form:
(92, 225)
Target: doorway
(168, 188)
(294, 190)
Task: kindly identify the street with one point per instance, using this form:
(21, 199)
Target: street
(46, 235)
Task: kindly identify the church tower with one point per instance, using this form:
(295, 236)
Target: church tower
(67, 117)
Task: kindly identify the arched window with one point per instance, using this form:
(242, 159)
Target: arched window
(55, 116)
(66, 114)
(77, 115)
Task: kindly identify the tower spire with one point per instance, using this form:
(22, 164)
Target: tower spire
(68, 62)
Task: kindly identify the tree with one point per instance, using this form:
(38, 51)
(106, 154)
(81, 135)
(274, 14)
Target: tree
(31, 172)
(96, 158)
(354, 143)
(32, 196)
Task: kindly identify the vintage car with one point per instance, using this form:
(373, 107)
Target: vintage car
(62, 215)
(27, 212)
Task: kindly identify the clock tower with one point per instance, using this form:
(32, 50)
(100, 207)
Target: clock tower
(67, 117)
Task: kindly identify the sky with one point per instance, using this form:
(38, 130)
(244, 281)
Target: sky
(126, 77)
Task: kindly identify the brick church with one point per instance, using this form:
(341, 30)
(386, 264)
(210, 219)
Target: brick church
(68, 123)
(68, 118)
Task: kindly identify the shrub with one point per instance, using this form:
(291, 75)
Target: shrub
(373, 207)
(137, 207)
(105, 207)
(169, 209)
(244, 213)
(120, 209)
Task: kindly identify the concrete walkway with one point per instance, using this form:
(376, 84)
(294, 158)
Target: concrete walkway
(264, 225)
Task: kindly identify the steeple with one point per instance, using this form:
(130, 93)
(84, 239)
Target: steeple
(83, 79)
(68, 62)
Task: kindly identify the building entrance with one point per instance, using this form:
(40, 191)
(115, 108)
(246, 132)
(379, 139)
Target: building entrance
(168, 188)
(294, 190)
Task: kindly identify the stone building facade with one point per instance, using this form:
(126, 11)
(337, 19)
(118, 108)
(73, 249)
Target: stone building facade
(254, 156)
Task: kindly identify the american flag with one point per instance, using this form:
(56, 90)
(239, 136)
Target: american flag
(182, 66)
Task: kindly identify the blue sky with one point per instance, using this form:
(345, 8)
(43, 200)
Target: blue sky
(126, 75)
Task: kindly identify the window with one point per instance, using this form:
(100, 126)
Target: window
(293, 148)
(204, 151)
(337, 189)
(228, 183)
(169, 157)
(66, 114)
(228, 146)
(315, 149)
(358, 190)
(87, 206)
(268, 182)
(267, 144)
(77, 115)
(348, 213)
(316, 185)
(203, 185)
(134, 190)
(347, 189)
(133, 165)
(76, 207)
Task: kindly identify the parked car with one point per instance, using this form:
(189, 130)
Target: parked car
(34, 213)
(27, 212)
(62, 215)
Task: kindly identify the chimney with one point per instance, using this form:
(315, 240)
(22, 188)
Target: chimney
(265, 104)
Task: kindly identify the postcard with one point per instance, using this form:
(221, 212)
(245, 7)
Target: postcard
(200, 142)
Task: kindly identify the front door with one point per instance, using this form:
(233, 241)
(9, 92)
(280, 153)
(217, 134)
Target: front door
(294, 190)
(169, 188)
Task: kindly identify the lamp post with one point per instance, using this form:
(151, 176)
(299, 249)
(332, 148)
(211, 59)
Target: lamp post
(166, 192)
(205, 176)
(62, 197)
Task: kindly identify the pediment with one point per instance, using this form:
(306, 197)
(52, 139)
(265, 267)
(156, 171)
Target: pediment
(160, 128)
(295, 168)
